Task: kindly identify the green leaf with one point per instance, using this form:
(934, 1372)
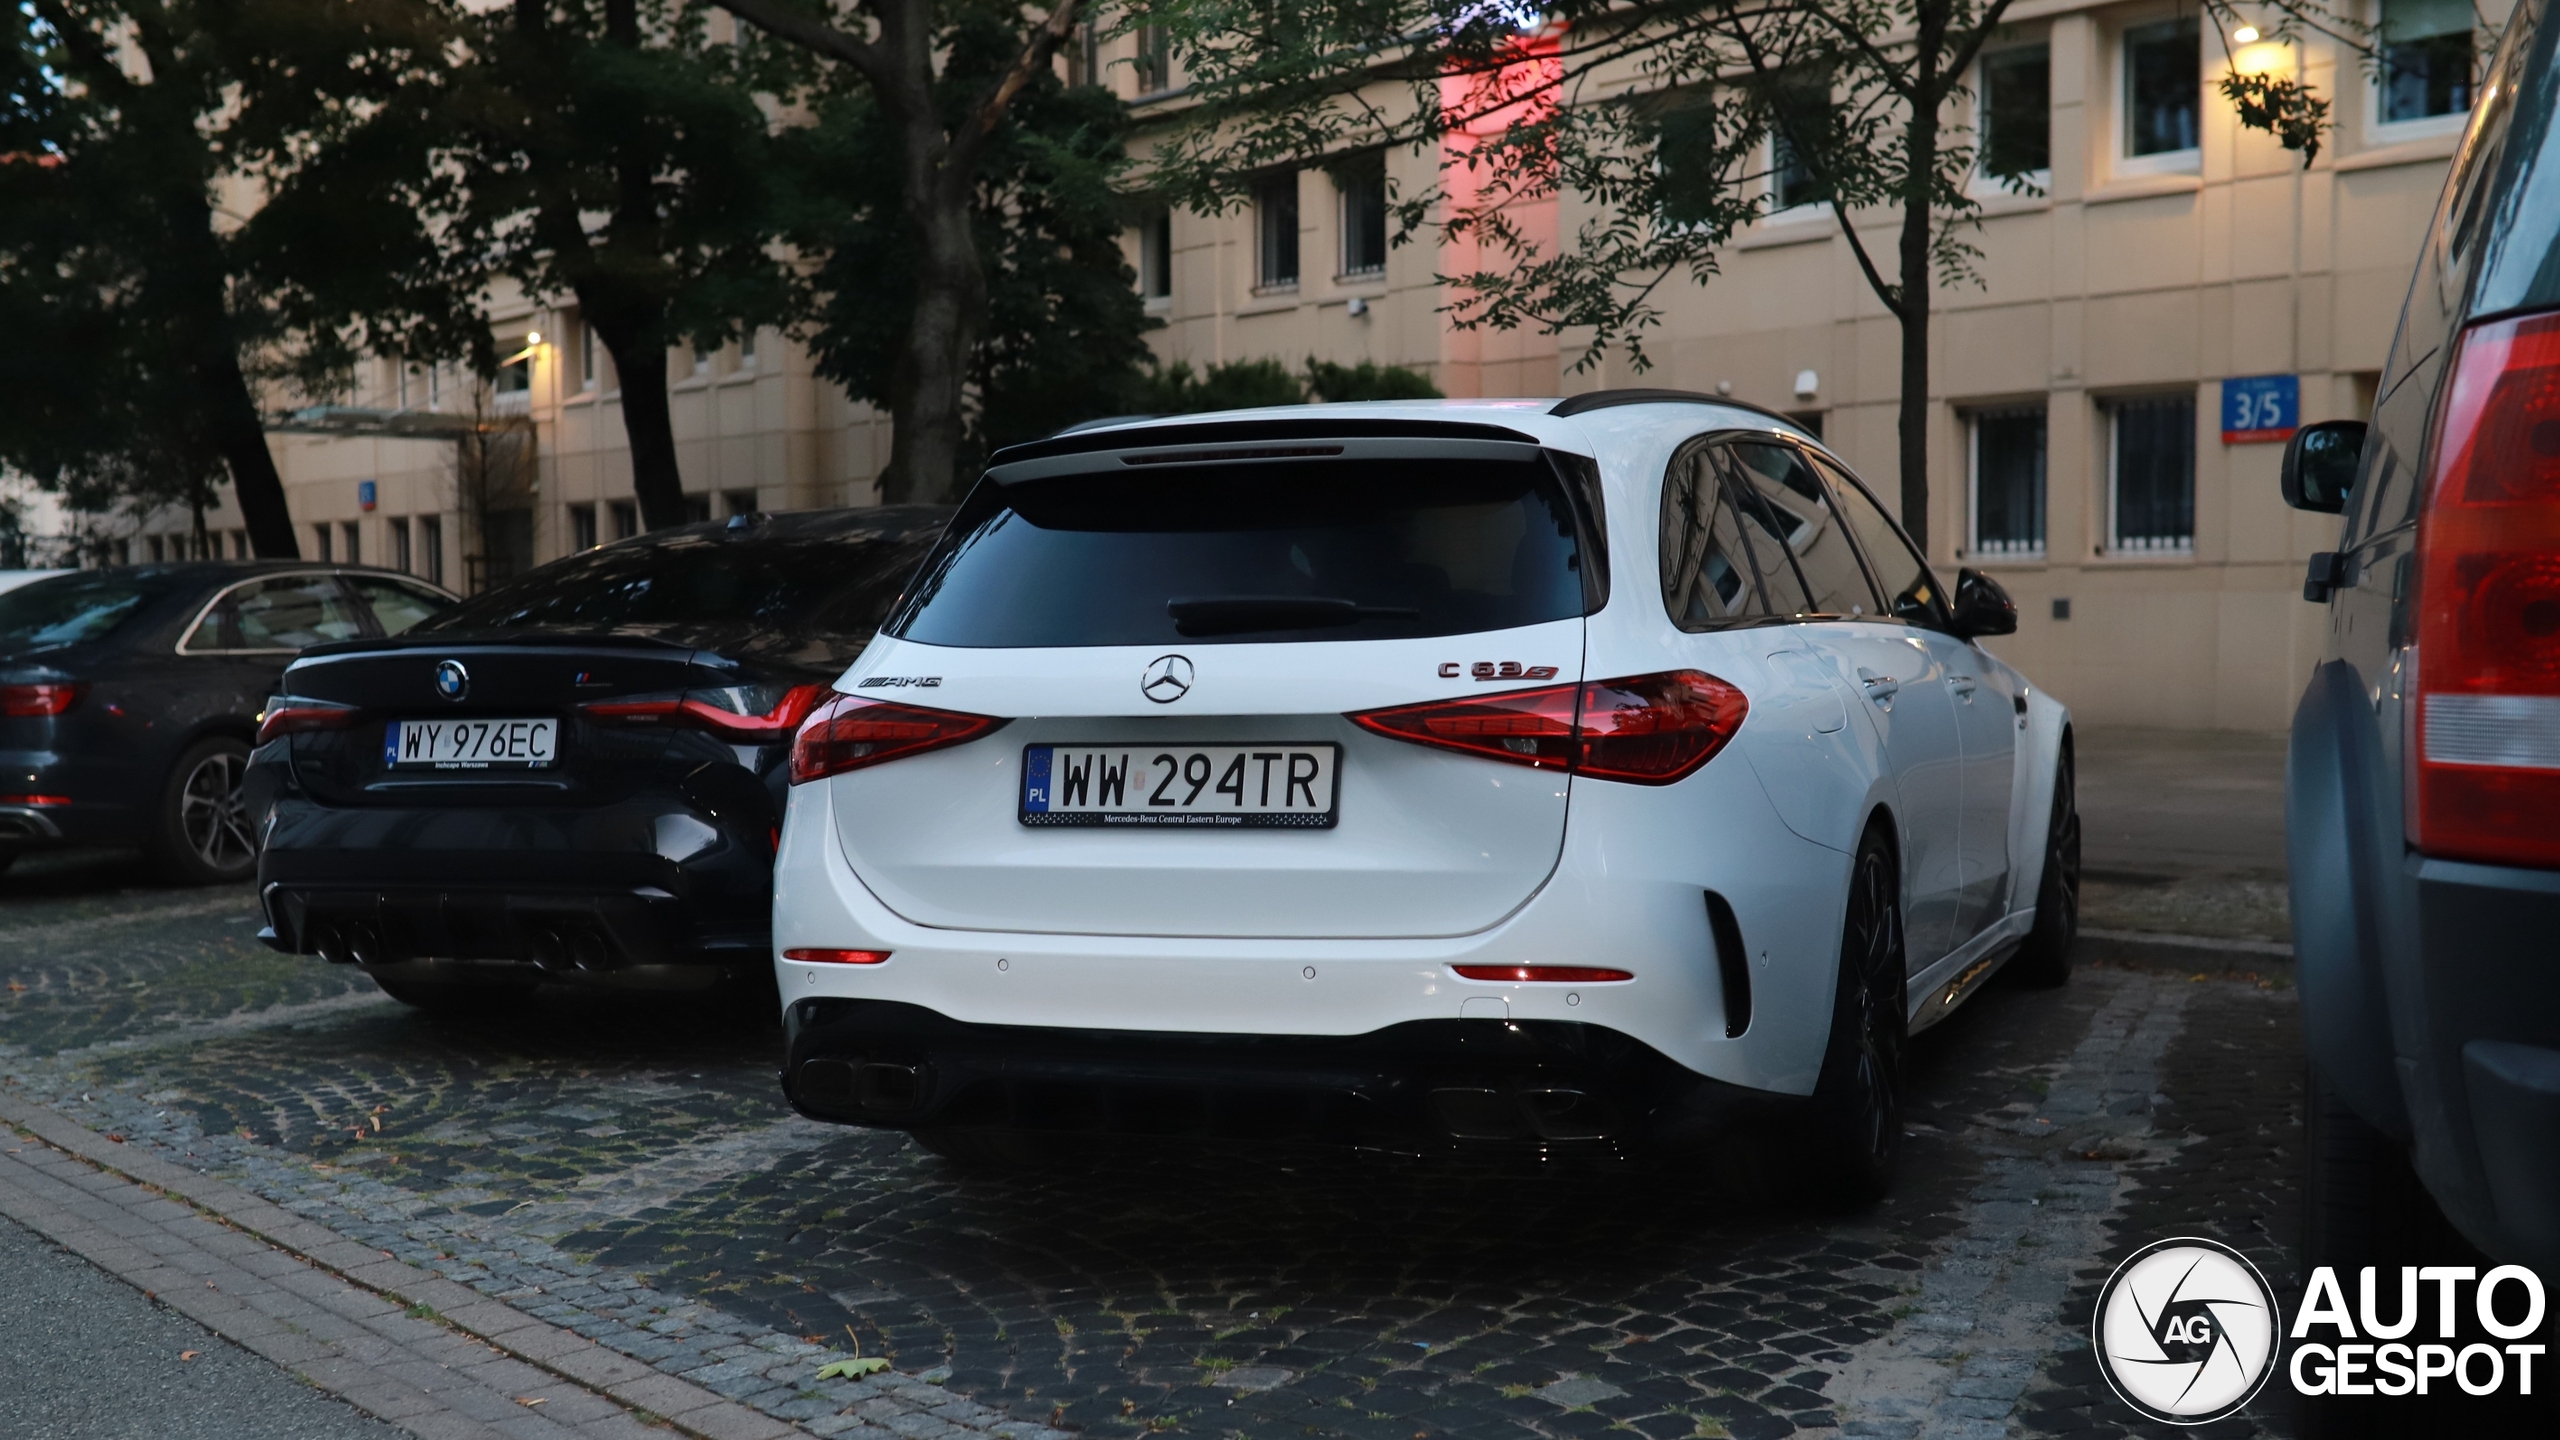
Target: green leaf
(852, 1369)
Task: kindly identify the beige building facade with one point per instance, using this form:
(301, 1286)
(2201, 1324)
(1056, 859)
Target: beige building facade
(2079, 399)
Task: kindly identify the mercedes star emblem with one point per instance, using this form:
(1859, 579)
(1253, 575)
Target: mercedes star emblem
(452, 681)
(1168, 679)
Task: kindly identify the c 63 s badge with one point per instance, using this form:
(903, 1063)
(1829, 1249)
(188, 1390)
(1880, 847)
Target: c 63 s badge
(1497, 670)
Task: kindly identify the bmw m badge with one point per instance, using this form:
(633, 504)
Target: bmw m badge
(452, 681)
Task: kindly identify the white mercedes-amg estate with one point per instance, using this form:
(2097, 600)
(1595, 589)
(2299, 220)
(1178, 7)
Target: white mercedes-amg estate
(1608, 774)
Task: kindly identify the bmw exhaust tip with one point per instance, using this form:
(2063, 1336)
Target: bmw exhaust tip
(331, 942)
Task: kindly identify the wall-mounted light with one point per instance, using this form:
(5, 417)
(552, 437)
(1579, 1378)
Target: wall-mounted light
(2245, 35)
(1808, 384)
(532, 338)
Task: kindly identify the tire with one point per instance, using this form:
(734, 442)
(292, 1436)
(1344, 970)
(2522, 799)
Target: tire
(1856, 1130)
(2044, 961)
(456, 995)
(2362, 1204)
(202, 835)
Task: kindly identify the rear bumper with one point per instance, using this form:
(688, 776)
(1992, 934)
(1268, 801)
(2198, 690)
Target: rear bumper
(1421, 1085)
(2491, 1052)
(591, 892)
(97, 813)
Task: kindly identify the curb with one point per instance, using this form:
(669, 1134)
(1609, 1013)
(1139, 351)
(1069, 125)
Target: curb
(2182, 952)
(679, 1404)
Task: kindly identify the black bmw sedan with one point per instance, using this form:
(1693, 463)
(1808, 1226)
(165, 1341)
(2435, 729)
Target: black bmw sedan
(578, 775)
(129, 698)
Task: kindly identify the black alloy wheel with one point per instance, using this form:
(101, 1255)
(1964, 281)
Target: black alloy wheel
(205, 837)
(2044, 960)
(1856, 1132)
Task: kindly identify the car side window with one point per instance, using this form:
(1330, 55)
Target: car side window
(1910, 589)
(1709, 574)
(396, 606)
(1797, 533)
(287, 612)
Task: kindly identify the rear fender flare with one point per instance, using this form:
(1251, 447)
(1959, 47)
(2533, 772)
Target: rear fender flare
(2335, 890)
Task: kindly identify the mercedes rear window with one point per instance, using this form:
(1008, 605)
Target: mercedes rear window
(69, 609)
(824, 585)
(1245, 554)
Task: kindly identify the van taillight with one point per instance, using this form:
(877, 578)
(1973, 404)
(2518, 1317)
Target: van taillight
(1647, 729)
(2488, 597)
(848, 733)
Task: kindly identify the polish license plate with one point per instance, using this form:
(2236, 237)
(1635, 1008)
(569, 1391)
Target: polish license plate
(1274, 786)
(470, 744)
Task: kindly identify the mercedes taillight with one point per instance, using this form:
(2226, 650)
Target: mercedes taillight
(2487, 718)
(1646, 729)
(849, 732)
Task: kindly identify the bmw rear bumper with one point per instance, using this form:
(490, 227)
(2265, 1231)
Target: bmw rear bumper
(605, 894)
(1419, 1086)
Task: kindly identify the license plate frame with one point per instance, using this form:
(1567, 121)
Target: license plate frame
(1034, 796)
(476, 744)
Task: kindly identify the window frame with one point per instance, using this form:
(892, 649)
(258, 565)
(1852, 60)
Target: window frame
(2043, 547)
(1155, 259)
(2162, 162)
(1349, 189)
(1267, 232)
(2115, 407)
(1983, 181)
(2380, 131)
(583, 534)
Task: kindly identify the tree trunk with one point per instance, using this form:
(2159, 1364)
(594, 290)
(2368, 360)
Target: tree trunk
(928, 390)
(1920, 161)
(640, 368)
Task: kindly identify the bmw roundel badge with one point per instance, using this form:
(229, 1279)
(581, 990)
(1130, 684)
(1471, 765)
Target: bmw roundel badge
(452, 681)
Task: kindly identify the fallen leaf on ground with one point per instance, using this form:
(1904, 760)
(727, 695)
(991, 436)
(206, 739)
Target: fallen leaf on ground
(187, 1354)
(529, 1401)
(852, 1369)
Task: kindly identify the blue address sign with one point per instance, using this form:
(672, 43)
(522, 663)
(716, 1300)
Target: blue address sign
(2261, 409)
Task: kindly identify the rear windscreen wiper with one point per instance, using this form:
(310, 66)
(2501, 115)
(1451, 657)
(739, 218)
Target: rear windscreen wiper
(1239, 614)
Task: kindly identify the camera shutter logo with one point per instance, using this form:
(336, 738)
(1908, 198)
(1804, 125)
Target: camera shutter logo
(452, 681)
(2186, 1330)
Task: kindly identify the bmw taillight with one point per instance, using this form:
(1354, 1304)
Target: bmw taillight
(29, 702)
(2488, 595)
(744, 715)
(849, 732)
(286, 715)
(1645, 729)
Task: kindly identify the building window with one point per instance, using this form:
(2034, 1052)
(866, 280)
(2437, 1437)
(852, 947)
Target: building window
(2151, 470)
(2426, 59)
(1810, 420)
(1363, 183)
(747, 348)
(160, 549)
(697, 508)
(354, 543)
(2163, 88)
(739, 502)
(319, 534)
(702, 358)
(2008, 483)
(582, 527)
(240, 544)
(1799, 118)
(586, 355)
(1084, 55)
(2016, 103)
(1155, 256)
(626, 519)
(516, 379)
(1275, 215)
(1155, 59)
(401, 559)
(431, 547)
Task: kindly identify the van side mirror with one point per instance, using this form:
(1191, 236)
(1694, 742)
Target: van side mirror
(1982, 607)
(2320, 465)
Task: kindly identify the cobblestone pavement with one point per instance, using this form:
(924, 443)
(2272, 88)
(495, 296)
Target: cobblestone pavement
(625, 1169)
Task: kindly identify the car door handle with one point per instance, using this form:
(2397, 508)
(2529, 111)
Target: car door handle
(1963, 685)
(1879, 687)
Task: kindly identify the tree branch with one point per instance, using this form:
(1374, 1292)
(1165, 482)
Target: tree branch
(784, 23)
(1891, 295)
(1035, 56)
